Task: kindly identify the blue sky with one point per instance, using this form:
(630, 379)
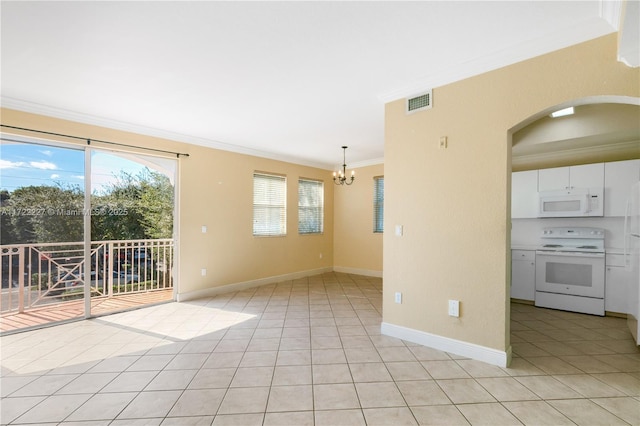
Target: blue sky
(33, 165)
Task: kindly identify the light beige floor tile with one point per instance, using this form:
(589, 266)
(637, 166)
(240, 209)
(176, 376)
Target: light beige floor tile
(369, 372)
(299, 418)
(408, 370)
(489, 414)
(187, 361)
(624, 363)
(130, 381)
(522, 367)
(356, 355)
(588, 386)
(105, 406)
(626, 408)
(360, 342)
(445, 369)
(423, 353)
(171, 380)
(553, 365)
(481, 369)
(589, 364)
(624, 382)
(87, 383)
(537, 413)
(252, 377)
(295, 357)
(53, 409)
(290, 398)
(326, 342)
(45, 385)
(244, 400)
(331, 373)
(223, 360)
(150, 404)
(378, 395)
(198, 402)
(151, 363)
(259, 359)
(187, 421)
(137, 422)
(396, 353)
(292, 375)
(339, 418)
(12, 408)
(439, 415)
(585, 412)
(211, 378)
(335, 396)
(394, 416)
(547, 387)
(295, 343)
(464, 391)
(238, 420)
(115, 364)
(426, 392)
(507, 389)
(524, 348)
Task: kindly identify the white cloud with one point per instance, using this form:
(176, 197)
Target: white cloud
(43, 165)
(55, 176)
(78, 177)
(6, 164)
(47, 152)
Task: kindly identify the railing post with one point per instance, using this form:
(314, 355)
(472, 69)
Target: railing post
(21, 279)
(110, 270)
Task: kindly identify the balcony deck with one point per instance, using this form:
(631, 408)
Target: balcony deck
(59, 312)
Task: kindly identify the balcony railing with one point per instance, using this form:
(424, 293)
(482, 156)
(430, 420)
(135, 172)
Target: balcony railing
(35, 275)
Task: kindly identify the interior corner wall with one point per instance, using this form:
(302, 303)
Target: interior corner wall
(356, 248)
(454, 202)
(216, 190)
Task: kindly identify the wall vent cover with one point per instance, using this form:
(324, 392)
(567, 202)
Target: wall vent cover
(419, 102)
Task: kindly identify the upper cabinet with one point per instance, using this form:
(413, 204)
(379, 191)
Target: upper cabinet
(524, 194)
(619, 176)
(583, 176)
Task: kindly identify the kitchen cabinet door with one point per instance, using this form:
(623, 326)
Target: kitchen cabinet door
(524, 194)
(523, 274)
(553, 179)
(617, 280)
(619, 176)
(587, 176)
(584, 176)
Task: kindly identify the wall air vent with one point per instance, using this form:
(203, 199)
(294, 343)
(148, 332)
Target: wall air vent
(419, 102)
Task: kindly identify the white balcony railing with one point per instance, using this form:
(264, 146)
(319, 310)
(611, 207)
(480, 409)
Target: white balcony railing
(35, 275)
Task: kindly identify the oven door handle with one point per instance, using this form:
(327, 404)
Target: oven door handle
(569, 254)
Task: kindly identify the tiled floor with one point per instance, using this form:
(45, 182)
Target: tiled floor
(310, 352)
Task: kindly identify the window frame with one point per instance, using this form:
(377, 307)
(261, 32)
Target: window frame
(378, 204)
(278, 206)
(319, 216)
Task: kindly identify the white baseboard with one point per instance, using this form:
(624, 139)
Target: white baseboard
(356, 271)
(446, 344)
(213, 291)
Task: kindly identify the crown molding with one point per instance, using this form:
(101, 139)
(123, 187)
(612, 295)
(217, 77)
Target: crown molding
(598, 151)
(63, 114)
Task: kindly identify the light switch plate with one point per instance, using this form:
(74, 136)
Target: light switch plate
(454, 308)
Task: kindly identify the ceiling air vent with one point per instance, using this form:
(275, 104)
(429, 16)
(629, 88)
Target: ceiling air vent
(420, 102)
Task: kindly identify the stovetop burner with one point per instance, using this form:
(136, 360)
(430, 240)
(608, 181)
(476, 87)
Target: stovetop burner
(576, 239)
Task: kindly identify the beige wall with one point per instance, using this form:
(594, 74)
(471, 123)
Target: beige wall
(216, 189)
(454, 203)
(356, 248)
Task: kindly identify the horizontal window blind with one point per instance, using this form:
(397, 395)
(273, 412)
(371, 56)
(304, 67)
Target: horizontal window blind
(269, 205)
(310, 206)
(378, 204)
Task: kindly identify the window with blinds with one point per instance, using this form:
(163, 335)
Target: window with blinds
(310, 206)
(269, 205)
(378, 204)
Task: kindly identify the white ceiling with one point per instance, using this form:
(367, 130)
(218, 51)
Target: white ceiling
(286, 80)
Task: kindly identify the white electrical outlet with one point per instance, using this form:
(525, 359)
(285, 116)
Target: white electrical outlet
(204, 229)
(398, 297)
(203, 272)
(454, 308)
(399, 230)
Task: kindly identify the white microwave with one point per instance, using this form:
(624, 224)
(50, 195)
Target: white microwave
(574, 202)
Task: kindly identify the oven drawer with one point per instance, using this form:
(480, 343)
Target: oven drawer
(523, 255)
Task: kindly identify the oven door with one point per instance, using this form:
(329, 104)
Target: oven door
(577, 274)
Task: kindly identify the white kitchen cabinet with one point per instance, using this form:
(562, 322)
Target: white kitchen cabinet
(524, 194)
(583, 176)
(523, 274)
(617, 282)
(619, 176)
